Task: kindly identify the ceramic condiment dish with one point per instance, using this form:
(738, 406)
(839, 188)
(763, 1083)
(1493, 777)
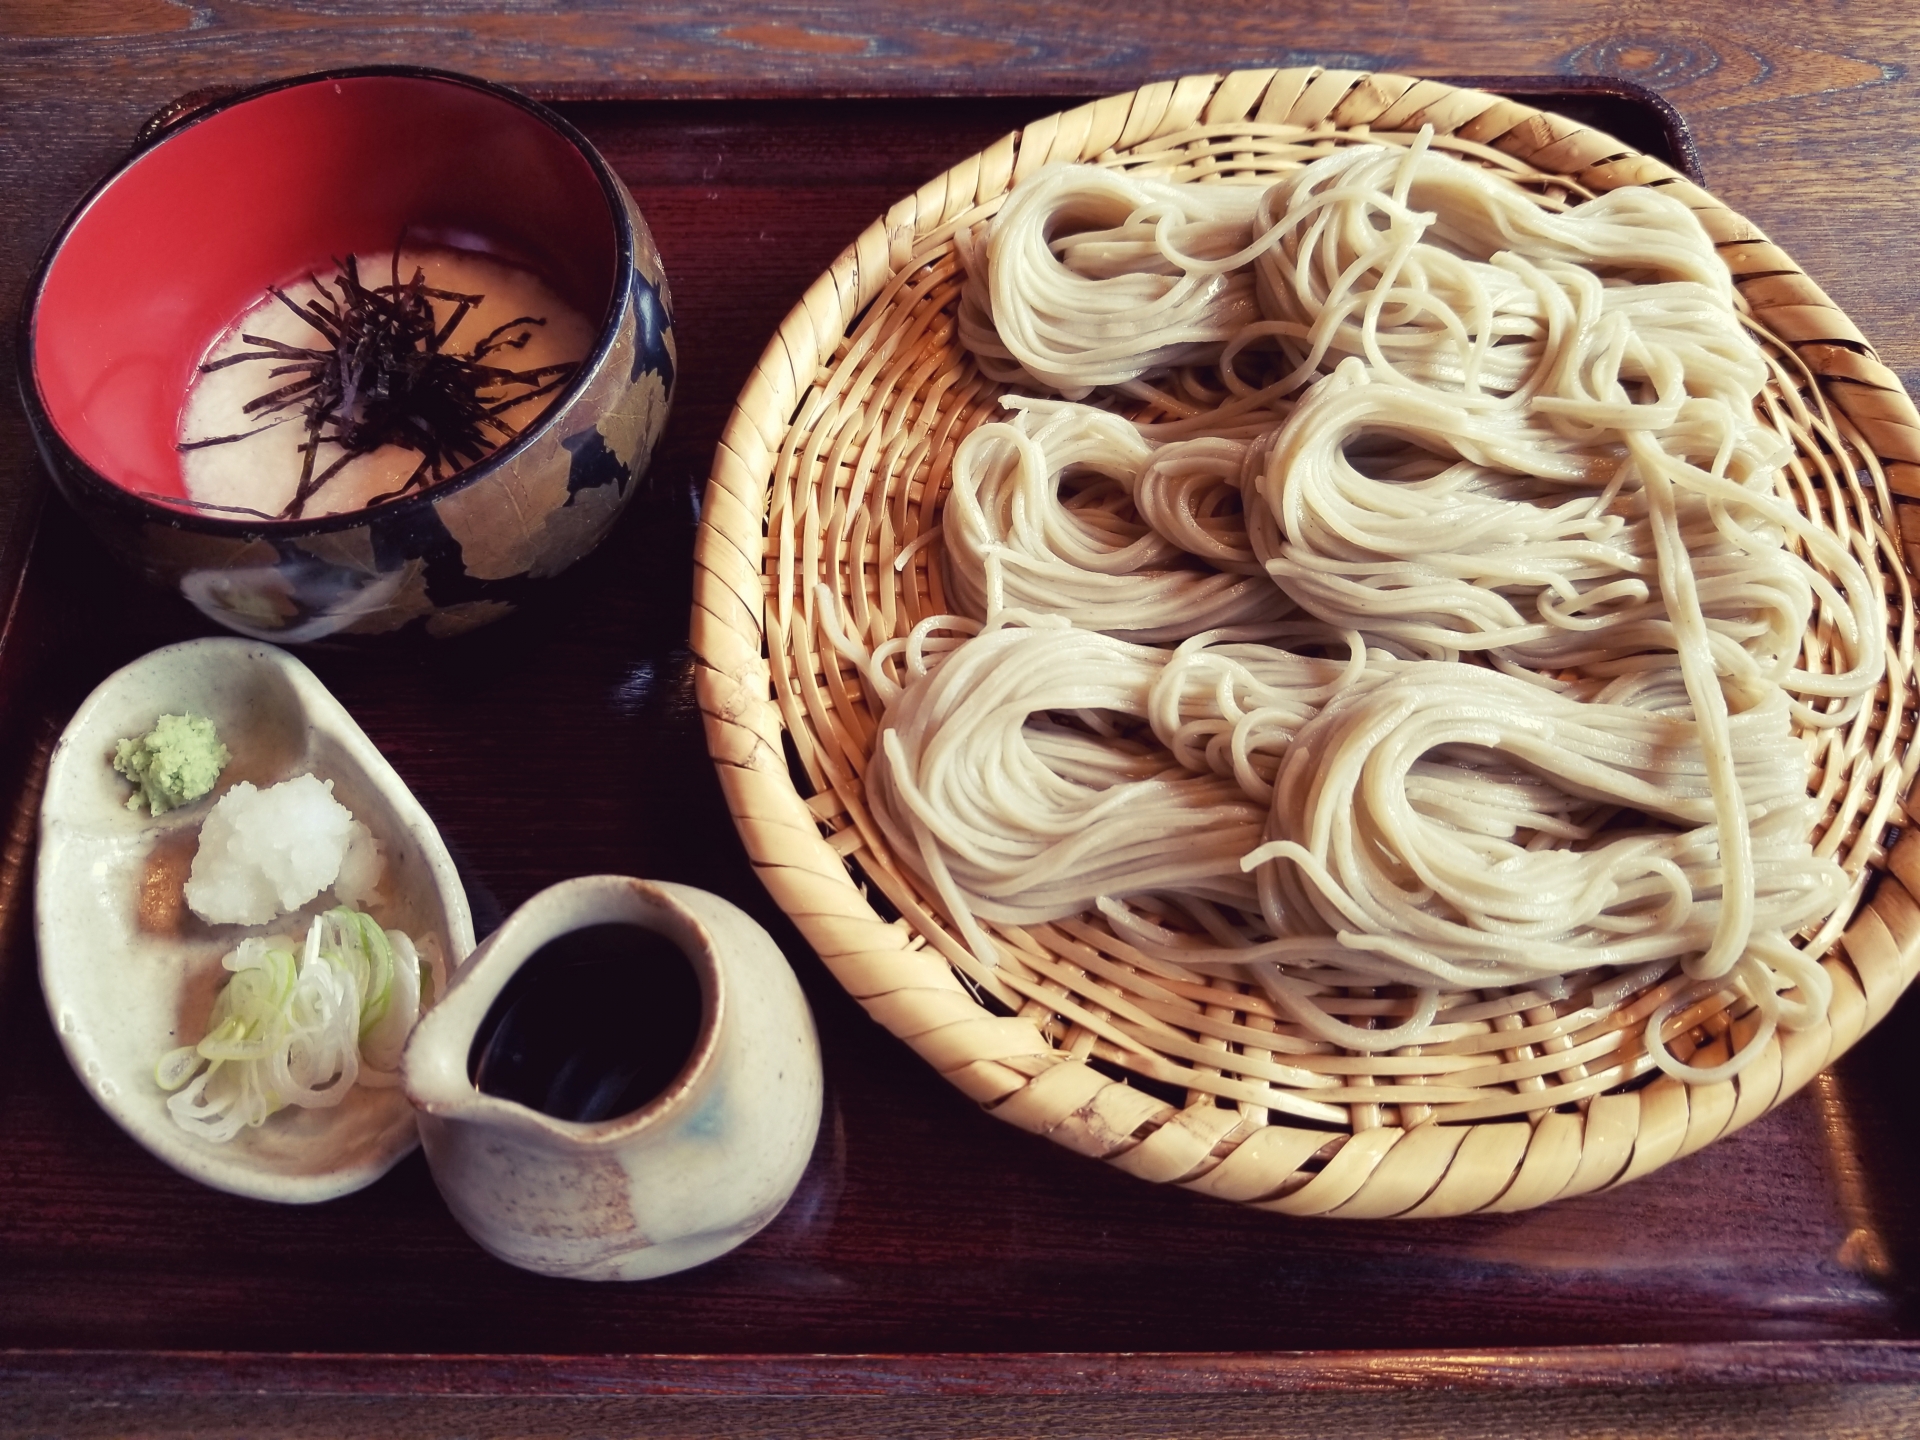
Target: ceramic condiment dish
(130, 973)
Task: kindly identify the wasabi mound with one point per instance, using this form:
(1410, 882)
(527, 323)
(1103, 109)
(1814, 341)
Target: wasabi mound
(173, 764)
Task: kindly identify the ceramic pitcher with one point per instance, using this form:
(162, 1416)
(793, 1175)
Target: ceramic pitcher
(688, 1176)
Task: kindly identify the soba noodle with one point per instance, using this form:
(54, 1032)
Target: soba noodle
(1538, 725)
(1460, 824)
(1086, 280)
(1444, 274)
(1040, 517)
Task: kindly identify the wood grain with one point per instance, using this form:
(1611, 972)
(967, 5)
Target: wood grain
(1758, 1412)
(1804, 1229)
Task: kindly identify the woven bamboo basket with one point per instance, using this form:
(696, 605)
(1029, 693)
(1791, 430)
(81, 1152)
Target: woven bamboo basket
(832, 471)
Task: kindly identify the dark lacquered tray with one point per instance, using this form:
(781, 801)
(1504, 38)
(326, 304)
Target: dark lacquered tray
(931, 1253)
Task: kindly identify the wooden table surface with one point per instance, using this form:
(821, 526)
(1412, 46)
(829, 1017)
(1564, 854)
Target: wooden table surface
(1804, 117)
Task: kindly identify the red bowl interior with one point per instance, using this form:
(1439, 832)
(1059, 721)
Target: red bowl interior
(192, 232)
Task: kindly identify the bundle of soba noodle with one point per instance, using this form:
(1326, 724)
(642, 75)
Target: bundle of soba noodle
(1413, 605)
(1021, 534)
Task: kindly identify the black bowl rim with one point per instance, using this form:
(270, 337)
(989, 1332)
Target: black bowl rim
(102, 491)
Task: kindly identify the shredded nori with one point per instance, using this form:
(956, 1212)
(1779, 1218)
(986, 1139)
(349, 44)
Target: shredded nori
(383, 377)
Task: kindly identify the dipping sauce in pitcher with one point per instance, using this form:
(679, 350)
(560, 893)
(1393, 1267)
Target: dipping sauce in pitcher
(594, 1025)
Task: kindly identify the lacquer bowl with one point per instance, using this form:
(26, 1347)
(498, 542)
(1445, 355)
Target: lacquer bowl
(258, 188)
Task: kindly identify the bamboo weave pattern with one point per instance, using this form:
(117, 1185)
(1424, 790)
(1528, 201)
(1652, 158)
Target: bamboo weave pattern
(832, 470)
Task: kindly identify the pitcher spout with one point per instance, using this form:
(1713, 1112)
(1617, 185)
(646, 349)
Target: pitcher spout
(435, 1065)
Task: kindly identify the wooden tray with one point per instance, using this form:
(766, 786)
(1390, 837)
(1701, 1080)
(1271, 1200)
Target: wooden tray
(933, 1255)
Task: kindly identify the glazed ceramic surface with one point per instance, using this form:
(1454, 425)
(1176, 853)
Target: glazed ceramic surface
(130, 973)
(687, 1177)
(483, 169)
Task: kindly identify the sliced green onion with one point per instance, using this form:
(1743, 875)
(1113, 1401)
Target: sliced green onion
(176, 1067)
(291, 1030)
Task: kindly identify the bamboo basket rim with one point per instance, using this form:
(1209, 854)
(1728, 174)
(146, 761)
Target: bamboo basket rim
(1062, 1041)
